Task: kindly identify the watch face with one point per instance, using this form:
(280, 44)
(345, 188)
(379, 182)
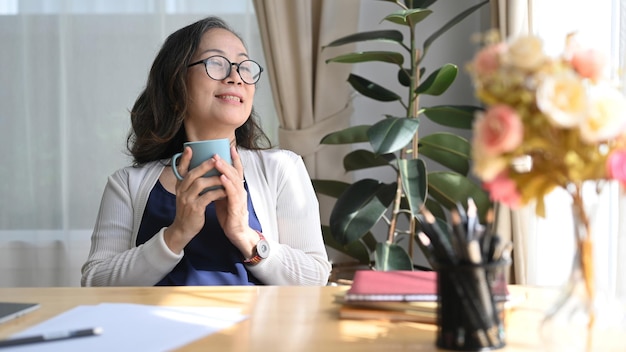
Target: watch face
(263, 249)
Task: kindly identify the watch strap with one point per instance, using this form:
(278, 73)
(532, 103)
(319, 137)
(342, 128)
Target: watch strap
(256, 258)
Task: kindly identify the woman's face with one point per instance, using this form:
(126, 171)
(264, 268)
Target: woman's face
(217, 108)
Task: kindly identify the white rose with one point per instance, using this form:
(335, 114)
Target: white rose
(525, 52)
(606, 117)
(562, 97)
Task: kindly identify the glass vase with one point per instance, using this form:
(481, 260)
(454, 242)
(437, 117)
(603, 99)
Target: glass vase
(569, 323)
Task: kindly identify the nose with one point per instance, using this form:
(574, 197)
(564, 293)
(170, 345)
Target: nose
(234, 76)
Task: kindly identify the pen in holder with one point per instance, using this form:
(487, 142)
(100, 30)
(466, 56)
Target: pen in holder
(471, 262)
(470, 309)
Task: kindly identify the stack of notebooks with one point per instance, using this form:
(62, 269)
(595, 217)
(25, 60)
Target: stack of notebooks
(396, 296)
(391, 295)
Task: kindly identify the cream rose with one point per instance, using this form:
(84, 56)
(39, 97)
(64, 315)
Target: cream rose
(526, 53)
(606, 116)
(562, 97)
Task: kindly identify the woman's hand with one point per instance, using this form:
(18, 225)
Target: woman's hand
(232, 211)
(190, 202)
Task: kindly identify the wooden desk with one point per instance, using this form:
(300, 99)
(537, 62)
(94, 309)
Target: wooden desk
(285, 318)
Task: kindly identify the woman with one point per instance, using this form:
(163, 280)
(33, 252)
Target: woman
(155, 230)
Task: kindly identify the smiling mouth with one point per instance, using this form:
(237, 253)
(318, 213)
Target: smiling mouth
(229, 98)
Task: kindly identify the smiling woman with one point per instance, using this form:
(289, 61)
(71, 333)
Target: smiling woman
(76, 68)
(205, 228)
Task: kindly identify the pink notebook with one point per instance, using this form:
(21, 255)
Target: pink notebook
(401, 286)
(398, 285)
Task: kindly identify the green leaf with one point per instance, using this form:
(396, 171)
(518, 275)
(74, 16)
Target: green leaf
(382, 35)
(404, 76)
(418, 4)
(331, 188)
(448, 150)
(371, 89)
(363, 159)
(357, 249)
(391, 57)
(392, 134)
(370, 241)
(458, 18)
(408, 17)
(439, 81)
(354, 134)
(359, 208)
(414, 182)
(457, 116)
(448, 188)
(435, 208)
(390, 256)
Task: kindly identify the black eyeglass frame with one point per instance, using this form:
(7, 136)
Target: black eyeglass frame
(230, 67)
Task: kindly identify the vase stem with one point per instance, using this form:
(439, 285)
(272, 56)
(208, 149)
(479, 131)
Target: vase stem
(574, 312)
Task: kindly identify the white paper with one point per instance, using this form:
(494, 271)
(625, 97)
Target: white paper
(131, 327)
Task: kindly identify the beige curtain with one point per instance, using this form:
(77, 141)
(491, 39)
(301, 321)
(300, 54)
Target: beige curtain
(312, 98)
(511, 18)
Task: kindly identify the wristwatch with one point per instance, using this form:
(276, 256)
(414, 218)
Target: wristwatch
(260, 251)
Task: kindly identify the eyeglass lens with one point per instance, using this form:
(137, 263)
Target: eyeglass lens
(218, 68)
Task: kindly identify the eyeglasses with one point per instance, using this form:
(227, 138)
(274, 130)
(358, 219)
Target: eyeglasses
(219, 67)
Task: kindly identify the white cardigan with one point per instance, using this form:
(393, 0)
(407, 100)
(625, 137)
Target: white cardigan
(284, 201)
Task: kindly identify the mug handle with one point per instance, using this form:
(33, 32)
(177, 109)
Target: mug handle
(174, 168)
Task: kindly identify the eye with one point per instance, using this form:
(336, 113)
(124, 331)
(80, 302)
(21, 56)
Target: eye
(215, 62)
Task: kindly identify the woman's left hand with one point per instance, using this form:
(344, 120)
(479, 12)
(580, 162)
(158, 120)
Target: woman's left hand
(232, 211)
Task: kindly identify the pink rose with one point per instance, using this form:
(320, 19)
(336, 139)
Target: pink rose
(499, 130)
(504, 190)
(487, 60)
(588, 63)
(616, 166)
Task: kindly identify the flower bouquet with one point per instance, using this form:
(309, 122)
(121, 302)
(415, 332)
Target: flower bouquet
(549, 122)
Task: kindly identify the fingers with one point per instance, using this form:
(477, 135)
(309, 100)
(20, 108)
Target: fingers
(195, 183)
(194, 180)
(183, 163)
(233, 172)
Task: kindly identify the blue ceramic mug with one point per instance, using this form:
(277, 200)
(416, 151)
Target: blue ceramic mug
(202, 151)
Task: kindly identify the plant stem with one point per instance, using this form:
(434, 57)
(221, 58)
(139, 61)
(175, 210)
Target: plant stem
(393, 223)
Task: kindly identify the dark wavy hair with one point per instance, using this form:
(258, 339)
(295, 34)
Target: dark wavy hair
(157, 116)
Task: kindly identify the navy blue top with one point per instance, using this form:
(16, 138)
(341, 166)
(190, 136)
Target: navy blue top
(210, 258)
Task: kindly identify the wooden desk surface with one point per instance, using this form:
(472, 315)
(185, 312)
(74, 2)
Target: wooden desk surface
(285, 318)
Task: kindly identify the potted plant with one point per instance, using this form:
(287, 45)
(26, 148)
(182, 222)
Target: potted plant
(396, 144)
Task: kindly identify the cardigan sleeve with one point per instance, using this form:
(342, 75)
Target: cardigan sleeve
(297, 252)
(113, 259)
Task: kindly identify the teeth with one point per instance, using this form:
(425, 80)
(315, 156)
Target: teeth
(230, 97)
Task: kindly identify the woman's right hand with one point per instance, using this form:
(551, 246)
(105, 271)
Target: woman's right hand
(190, 203)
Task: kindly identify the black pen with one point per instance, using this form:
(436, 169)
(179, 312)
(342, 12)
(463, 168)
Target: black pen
(55, 336)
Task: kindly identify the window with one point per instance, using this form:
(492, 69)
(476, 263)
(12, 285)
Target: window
(76, 69)
(551, 243)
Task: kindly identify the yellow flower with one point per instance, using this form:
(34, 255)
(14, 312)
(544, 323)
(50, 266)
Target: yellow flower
(487, 168)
